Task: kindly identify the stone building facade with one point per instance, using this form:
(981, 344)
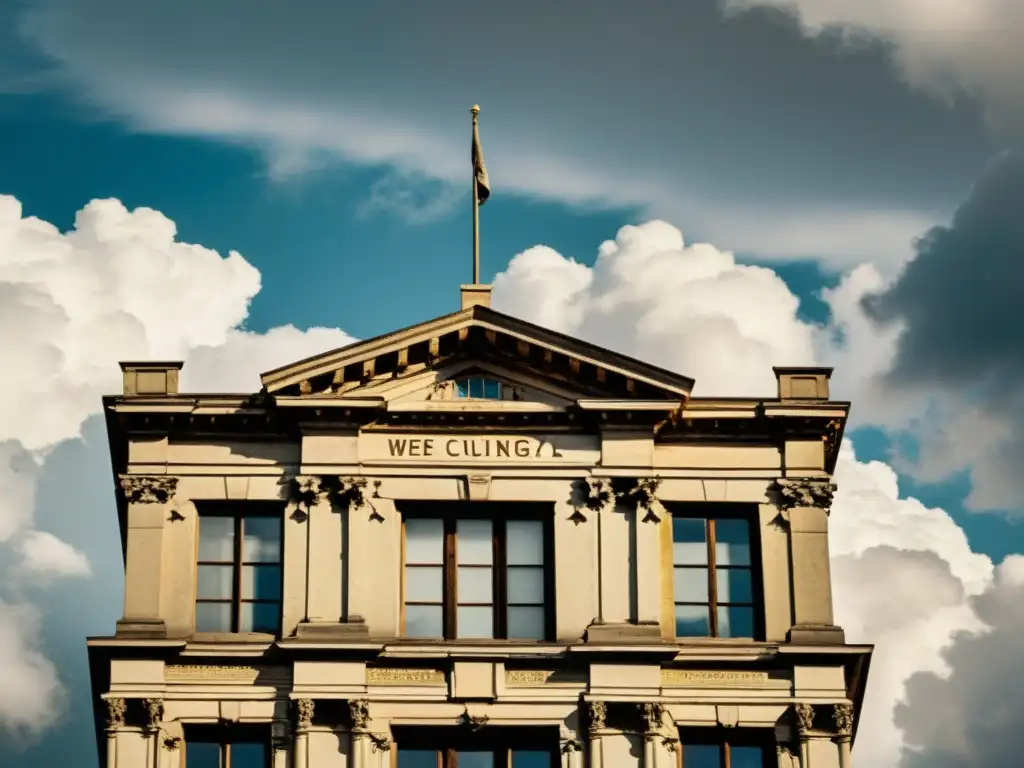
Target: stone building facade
(475, 543)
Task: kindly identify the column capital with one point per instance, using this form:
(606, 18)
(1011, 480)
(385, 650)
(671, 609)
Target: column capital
(303, 714)
(359, 712)
(597, 713)
(116, 711)
(804, 719)
(842, 717)
(148, 489)
(653, 715)
(154, 713)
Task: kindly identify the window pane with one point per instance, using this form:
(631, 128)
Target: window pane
(261, 582)
(525, 542)
(462, 388)
(476, 759)
(746, 757)
(216, 582)
(248, 756)
(423, 621)
(475, 584)
(475, 622)
(213, 617)
(702, 756)
(526, 585)
(690, 585)
(476, 387)
(689, 541)
(474, 542)
(259, 617)
(526, 623)
(417, 758)
(734, 586)
(424, 584)
(200, 754)
(525, 758)
(492, 389)
(692, 621)
(424, 541)
(735, 622)
(732, 542)
(217, 538)
(261, 540)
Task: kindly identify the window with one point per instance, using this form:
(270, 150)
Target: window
(713, 577)
(239, 576)
(705, 751)
(505, 748)
(474, 577)
(212, 747)
(478, 387)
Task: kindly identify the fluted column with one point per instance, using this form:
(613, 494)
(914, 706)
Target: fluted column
(303, 722)
(116, 709)
(597, 711)
(842, 715)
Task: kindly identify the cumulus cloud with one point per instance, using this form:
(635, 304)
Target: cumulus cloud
(904, 574)
(704, 121)
(949, 47)
(117, 286)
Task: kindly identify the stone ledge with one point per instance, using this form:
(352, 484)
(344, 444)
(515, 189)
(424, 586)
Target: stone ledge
(332, 630)
(141, 628)
(644, 632)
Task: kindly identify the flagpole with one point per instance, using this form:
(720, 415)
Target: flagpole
(475, 110)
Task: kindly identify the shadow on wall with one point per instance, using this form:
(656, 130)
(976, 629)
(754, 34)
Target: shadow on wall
(75, 501)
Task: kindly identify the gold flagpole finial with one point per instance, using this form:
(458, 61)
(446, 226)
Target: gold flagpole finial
(475, 109)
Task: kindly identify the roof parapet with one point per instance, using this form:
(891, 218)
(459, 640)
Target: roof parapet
(802, 382)
(152, 378)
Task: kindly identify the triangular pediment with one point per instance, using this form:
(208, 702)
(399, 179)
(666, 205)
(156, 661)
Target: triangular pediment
(418, 362)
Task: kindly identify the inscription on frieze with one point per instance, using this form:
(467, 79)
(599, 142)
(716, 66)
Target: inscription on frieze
(733, 678)
(404, 676)
(209, 672)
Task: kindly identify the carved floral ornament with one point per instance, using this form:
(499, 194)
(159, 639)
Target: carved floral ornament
(804, 492)
(303, 714)
(307, 491)
(154, 712)
(148, 489)
(597, 714)
(842, 714)
(804, 718)
(116, 710)
(595, 493)
(359, 711)
(653, 714)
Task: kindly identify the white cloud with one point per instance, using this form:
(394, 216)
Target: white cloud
(904, 575)
(948, 46)
(118, 286)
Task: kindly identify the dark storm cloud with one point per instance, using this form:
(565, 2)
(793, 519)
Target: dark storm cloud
(739, 128)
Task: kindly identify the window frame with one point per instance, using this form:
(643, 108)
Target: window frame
(238, 512)
(709, 513)
(484, 379)
(501, 740)
(225, 736)
(497, 513)
(714, 737)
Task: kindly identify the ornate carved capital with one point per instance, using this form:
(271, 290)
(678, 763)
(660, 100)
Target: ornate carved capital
(303, 714)
(359, 711)
(670, 743)
(154, 712)
(842, 716)
(805, 492)
(804, 718)
(597, 713)
(148, 489)
(652, 714)
(474, 722)
(116, 709)
(379, 742)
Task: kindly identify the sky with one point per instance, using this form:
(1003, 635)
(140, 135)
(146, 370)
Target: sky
(715, 186)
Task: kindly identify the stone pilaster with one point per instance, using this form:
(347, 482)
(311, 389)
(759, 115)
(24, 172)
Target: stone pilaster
(597, 712)
(154, 722)
(570, 748)
(149, 498)
(842, 716)
(303, 721)
(804, 715)
(804, 505)
(652, 714)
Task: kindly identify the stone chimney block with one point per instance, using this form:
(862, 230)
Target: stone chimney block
(156, 378)
(803, 383)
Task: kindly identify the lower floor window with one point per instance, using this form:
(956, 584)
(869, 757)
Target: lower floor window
(706, 752)
(475, 758)
(501, 748)
(211, 747)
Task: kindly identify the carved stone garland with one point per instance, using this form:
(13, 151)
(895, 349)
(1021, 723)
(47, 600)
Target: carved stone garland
(805, 492)
(148, 489)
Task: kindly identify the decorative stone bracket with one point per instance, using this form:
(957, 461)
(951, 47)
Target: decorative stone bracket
(148, 489)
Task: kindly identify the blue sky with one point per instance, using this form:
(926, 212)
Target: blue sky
(339, 174)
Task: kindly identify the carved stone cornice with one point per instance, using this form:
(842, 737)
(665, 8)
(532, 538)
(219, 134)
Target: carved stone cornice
(359, 712)
(804, 492)
(148, 489)
(804, 718)
(597, 714)
(842, 716)
(653, 714)
(154, 712)
(303, 714)
(116, 710)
